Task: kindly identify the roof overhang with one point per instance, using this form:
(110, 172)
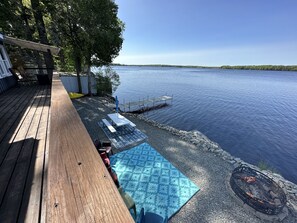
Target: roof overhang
(29, 44)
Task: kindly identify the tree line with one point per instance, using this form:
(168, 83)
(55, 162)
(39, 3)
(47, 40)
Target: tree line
(88, 32)
(243, 67)
(262, 67)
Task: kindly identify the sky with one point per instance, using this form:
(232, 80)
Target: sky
(208, 32)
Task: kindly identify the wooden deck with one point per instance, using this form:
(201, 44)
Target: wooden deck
(24, 114)
(50, 170)
(80, 187)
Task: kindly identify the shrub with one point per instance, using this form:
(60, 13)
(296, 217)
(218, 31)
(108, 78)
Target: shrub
(107, 81)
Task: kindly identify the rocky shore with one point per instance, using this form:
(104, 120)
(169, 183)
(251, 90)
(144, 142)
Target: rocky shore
(205, 144)
(200, 159)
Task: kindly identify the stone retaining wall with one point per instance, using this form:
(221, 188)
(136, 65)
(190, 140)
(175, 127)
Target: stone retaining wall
(205, 144)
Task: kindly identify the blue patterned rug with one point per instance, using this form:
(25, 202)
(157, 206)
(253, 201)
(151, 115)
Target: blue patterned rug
(153, 183)
(124, 137)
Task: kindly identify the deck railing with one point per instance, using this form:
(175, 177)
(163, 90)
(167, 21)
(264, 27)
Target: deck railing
(79, 186)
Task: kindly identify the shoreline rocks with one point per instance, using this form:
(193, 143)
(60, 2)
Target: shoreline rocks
(202, 142)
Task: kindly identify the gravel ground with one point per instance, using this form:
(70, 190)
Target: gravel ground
(213, 203)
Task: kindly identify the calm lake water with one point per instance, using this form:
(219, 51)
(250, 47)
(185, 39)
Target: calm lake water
(251, 114)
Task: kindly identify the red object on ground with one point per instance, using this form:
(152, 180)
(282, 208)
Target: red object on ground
(105, 159)
(249, 179)
(114, 177)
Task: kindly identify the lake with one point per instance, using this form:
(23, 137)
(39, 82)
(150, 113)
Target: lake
(251, 114)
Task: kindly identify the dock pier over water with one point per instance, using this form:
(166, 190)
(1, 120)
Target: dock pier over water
(147, 104)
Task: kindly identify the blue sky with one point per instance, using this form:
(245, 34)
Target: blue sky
(209, 32)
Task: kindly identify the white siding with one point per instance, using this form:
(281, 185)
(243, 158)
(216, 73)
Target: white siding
(70, 84)
(4, 63)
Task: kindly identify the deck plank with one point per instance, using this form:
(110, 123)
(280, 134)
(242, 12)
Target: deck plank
(10, 159)
(80, 188)
(40, 176)
(9, 108)
(13, 116)
(14, 169)
(6, 96)
(45, 173)
(11, 100)
(13, 126)
(32, 201)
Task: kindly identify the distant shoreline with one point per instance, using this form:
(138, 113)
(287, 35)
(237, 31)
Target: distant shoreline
(262, 67)
(241, 67)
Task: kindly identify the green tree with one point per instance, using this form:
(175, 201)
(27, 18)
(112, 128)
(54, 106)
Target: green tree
(88, 31)
(38, 11)
(25, 19)
(103, 39)
(103, 33)
(107, 81)
(65, 22)
(91, 30)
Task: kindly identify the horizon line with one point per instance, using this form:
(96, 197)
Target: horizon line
(205, 66)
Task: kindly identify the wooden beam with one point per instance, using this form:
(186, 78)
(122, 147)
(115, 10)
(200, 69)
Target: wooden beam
(80, 188)
(31, 45)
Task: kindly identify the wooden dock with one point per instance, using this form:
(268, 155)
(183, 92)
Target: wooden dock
(147, 104)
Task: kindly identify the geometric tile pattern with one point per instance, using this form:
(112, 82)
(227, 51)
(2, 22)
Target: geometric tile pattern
(152, 181)
(124, 137)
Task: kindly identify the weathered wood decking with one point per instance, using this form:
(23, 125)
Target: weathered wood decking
(50, 170)
(24, 114)
(80, 188)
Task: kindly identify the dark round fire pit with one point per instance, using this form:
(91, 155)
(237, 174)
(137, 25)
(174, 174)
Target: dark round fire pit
(257, 190)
